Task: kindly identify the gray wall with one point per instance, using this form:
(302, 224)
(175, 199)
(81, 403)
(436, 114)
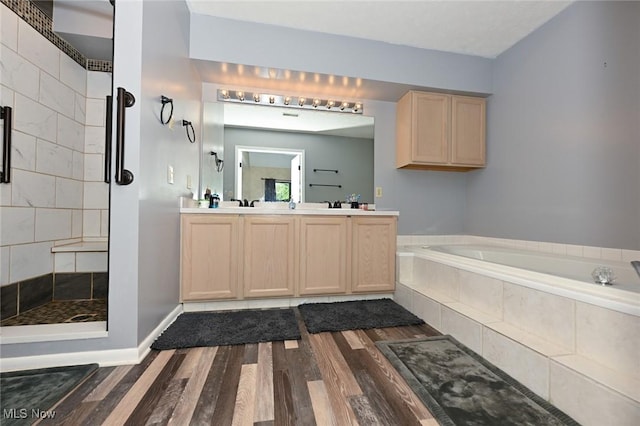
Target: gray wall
(166, 70)
(429, 202)
(564, 133)
(236, 42)
(352, 157)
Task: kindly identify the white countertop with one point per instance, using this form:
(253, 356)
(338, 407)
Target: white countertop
(297, 211)
(318, 209)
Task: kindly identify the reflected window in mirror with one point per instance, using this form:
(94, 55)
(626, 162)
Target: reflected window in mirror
(277, 190)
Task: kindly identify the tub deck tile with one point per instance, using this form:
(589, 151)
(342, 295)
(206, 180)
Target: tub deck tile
(472, 313)
(431, 294)
(624, 384)
(525, 338)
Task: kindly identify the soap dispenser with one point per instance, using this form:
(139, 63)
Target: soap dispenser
(292, 204)
(214, 201)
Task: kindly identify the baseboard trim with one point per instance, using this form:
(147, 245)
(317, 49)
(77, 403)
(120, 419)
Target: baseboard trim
(145, 346)
(104, 358)
(285, 302)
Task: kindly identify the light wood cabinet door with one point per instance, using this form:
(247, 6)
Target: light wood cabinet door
(422, 129)
(269, 255)
(374, 254)
(430, 122)
(209, 257)
(324, 255)
(468, 132)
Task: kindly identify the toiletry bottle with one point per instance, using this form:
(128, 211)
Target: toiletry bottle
(292, 204)
(214, 201)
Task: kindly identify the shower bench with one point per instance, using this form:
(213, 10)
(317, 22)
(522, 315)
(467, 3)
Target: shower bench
(81, 256)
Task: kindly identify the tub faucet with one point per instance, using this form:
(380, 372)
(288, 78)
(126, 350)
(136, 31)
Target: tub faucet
(636, 266)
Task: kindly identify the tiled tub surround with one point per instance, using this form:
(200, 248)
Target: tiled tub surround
(582, 357)
(56, 195)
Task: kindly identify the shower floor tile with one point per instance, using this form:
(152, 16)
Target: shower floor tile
(62, 311)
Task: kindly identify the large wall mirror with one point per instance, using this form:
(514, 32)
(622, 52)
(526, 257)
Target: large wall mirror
(333, 150)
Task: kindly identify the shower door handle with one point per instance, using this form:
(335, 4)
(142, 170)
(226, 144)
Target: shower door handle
(6, 115)
(125, 100)
(107, 139)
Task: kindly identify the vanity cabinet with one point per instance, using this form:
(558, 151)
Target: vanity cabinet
(374, 254)
(324, 255)
(249, 256)
(269, 255)
(210, 257)
(440, 132)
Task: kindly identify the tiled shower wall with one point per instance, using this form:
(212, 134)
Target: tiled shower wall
(57, 193)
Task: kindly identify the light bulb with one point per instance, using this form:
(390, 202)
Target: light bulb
(256, 97)
(272, 99)
(240, 96)
(316, 102)
(344, 106)
(330, 104)
(301, 101)
(287, 100)
(224, 93)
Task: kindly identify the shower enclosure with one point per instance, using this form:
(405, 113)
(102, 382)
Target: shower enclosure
(54, 195)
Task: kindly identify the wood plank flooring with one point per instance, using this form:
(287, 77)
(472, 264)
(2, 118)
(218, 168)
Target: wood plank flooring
(323, 379)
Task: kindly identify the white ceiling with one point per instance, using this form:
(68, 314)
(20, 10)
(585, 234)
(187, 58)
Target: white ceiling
(476, 27)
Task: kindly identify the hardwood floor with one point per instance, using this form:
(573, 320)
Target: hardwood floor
(323, 379)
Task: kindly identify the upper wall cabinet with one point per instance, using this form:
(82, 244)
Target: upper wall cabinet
(435, 131)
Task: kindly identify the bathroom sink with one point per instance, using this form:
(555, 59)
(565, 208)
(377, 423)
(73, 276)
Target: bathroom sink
(232, 207)
(274, 205)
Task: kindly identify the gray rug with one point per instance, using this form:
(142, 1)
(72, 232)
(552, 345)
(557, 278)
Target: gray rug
(359, 314)
(195, 329)
(26, 395)
(461, 388)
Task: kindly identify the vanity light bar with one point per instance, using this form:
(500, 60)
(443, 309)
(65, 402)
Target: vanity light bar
(240, 96)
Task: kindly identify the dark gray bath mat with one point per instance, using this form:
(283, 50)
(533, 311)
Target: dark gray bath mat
(195, 329)
(26, 394)
(359, 314)
(461, 388)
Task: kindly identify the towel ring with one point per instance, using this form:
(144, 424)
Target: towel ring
(191, 135)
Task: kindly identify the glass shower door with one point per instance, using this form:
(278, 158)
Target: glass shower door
(54, 208)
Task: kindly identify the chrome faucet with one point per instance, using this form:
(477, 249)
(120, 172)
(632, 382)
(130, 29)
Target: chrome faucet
(636, 266)
(245, 202)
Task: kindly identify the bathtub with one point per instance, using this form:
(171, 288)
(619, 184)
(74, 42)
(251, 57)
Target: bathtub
(567, 276)
(537, 316)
